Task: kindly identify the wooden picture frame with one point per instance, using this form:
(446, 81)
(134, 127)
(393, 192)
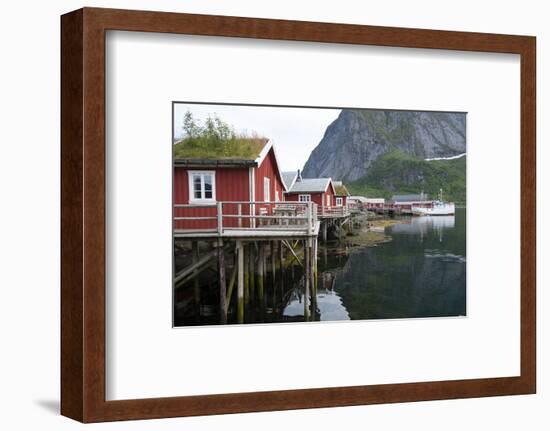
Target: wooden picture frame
(83, 334)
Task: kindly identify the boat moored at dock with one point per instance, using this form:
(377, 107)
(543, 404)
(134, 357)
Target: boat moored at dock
(437, 209)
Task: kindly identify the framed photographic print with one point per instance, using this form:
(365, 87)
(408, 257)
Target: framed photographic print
(267, 215)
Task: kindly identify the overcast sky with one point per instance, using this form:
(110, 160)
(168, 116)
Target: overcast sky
(295, 132)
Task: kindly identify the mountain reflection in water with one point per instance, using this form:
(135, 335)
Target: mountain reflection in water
(420, 273)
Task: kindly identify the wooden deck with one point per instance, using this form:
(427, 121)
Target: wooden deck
(254, 220)
(286, 232)
(333, 212)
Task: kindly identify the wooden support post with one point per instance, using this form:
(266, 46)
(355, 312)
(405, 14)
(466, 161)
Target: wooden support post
(273, 274)
(273, 268)
(246, 275)
(240, 282)
(232, 280)
(306, 280)
(223, 286)
(281, 258)
(261, 274)
(313, 276)
(252, 274)
(315, 264)
(196, 285)
(325, 231)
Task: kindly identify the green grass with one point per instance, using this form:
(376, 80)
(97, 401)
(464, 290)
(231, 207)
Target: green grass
(398, 173)
(341, 190)
(215, 148)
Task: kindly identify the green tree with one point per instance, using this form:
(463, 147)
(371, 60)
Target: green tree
(190, 126)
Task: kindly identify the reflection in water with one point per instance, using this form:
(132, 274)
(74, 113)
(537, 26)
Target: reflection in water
(421, 272)
(329, 303)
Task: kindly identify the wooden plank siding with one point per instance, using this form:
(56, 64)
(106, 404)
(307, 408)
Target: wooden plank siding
(344, 199)
(319, 198)
(231, 185)
(268, 168)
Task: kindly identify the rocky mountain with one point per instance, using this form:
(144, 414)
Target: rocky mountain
(358, 137)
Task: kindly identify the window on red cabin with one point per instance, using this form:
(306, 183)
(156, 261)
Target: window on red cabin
(304, 198)
(202, 187)
(266, 189)
(339, 202)
(328, 200)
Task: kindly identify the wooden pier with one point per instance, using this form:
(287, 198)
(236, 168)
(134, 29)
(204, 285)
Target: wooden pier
(249, 241)
(336, 217)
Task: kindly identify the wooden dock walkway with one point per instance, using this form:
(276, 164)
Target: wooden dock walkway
(256, 234)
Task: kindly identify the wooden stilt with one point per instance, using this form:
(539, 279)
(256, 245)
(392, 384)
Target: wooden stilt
(281, 258)
(265, 267)
(196, 285)
(223, 286)
(252, 274)
(313, 251)
(325, 231)
(306, 280)
(246, 275)
(232, 280)
(260, 278)
(240, 282)
(282, 267)
(315, 264)
(273, 268)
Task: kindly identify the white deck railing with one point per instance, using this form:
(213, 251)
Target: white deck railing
(243, 215)
(342, 211)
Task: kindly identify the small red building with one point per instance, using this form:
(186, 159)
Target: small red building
(243, 177)
(318, 190)
(341, 194)
(368, 203)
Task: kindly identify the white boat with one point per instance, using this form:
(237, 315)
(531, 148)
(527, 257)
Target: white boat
(438, 208)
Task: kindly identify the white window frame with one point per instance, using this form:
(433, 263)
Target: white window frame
(339, 201)
(277, 195)
(192, 198)
(304, 198)
(267, 191)
(328, 201)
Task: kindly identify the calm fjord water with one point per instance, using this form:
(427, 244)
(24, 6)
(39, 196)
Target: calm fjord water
(421, 272)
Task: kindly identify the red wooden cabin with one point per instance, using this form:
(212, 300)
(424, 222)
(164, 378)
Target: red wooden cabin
(341, 194)
(202, 182)
(318, 190)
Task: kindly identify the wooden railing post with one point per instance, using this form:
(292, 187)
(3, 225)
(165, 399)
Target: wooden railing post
(240, 213)
(309, 213)
(220, 217)
(240, 282)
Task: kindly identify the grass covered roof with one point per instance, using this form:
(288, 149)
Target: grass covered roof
(215, 149)
(340, 190)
